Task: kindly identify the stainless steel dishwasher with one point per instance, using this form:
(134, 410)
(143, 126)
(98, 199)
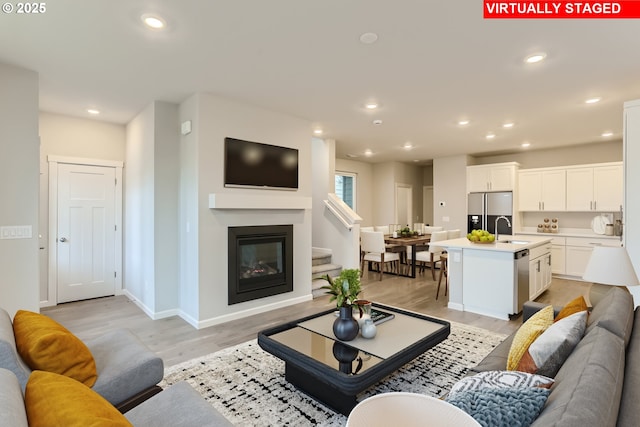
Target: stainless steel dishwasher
(521, 259)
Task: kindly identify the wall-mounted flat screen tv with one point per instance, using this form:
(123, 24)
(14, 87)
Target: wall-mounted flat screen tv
(252, 164)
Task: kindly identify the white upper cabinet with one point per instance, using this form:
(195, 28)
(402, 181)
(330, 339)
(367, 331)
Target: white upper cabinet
(542, 190)
(597, 188)
(495, 177)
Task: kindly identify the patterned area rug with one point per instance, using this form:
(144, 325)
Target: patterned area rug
(247, 385)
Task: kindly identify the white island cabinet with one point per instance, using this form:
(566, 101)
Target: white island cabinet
(484, 278)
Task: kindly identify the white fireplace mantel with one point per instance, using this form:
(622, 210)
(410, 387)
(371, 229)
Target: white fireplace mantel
(253, 201)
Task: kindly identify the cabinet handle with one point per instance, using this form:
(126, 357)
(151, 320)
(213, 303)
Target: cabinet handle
(595, 205)
(538, 266)
(542, 205)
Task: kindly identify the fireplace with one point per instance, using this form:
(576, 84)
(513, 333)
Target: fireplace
(260, 262)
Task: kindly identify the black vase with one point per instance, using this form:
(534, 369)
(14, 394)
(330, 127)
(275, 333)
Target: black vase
(345, 327)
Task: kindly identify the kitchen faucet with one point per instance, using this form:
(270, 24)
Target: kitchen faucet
(499, 218)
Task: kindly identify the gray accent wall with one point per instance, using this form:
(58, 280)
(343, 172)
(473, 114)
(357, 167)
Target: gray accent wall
(19, 163)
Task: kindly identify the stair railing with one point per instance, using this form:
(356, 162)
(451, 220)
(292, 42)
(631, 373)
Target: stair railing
(347, 216)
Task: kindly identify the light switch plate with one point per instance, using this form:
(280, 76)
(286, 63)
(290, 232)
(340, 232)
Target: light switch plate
(16, 232)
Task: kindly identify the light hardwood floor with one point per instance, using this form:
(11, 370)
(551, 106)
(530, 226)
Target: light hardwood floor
(175, 340)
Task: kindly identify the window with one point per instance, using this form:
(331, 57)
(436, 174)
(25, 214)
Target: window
(346, 188)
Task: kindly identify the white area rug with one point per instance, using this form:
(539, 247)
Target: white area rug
(247, 384)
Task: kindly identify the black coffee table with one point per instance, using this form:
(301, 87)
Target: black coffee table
(335, 372)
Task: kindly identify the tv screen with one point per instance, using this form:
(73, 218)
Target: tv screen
(252, 164)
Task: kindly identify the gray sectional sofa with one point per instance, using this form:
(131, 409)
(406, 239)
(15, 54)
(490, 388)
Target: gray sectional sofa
(599, 384)
(125, 378)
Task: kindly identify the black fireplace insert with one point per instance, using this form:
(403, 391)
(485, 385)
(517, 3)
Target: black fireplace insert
(260, 262)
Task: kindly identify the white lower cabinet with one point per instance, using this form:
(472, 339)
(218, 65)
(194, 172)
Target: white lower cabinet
(578, 251)
(539, 270)
(558, 257)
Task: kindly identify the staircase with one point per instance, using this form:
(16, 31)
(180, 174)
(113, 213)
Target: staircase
(321, 266)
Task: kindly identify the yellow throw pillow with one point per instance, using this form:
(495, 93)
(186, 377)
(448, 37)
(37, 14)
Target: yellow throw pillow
(528, 332)
(575, 306)
(46, 345)
(54, 400)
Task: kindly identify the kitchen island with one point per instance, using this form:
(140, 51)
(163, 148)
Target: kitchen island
(494, 279)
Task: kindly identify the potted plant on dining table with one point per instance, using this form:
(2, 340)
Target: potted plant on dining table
(344, 289)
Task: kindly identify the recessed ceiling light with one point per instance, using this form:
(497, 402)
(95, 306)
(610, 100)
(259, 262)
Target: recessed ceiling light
(607, 134)
(371, 106)
(490, 135)
(318, 131)
(377, 122)
(463, 122)
(368, 38)
(536, 57)
(93, 111)
(368, 152)
(407, 145)
(508, 125)
(525, 145)
(594, 100)
(153, 21)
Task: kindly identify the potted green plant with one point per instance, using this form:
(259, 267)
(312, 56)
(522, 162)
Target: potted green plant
(344, 290)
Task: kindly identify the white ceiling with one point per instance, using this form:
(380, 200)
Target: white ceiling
(435, 62)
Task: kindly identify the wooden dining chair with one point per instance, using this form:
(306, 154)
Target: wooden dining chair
(373, 250)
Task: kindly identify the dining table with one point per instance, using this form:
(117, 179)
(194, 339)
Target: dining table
(403, 241)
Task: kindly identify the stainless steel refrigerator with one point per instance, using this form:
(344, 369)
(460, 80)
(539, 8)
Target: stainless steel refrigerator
(484, 208)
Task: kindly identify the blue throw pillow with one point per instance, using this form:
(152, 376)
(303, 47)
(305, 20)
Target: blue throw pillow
(502, 407)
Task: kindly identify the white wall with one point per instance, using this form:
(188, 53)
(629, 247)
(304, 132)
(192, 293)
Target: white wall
(188, 214)
(152, 265)
(323, 153)
(600, 152)
(139, 236)
(214, 119)
(62, 135)
(632, 177)
(77, 137)
(19, 163)
(450, 187)
(384, 187)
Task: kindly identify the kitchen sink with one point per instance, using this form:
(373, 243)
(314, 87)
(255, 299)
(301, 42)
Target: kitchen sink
(514, 242)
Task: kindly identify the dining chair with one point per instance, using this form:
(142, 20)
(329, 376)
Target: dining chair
(453, 234)
(374, 250)
(432, 255)
(384, 229)
(428, 229)
(366, 229)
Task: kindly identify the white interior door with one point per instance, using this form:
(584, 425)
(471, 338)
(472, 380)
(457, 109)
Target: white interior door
(86, 232)
(404, 205)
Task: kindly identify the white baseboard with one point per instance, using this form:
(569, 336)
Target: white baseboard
(152, 314)
(199, 324)
(456, 306)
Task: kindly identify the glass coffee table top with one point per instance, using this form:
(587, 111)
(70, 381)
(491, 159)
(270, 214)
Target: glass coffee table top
(328, 351)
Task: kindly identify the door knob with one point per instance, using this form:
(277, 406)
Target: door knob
(63, 239)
